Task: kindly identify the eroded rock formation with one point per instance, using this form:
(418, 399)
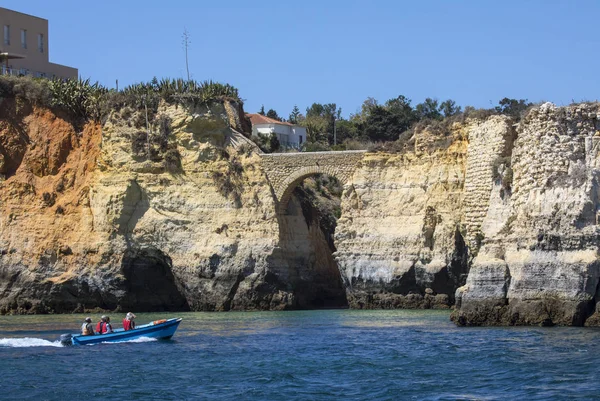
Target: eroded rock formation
(538, 263)
(114, 218)
(399, 242)
(179, 215)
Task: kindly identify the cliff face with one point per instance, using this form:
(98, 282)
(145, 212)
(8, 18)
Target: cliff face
(176, 213)
(113, 218)
(46, 168)
(538, 260)
(398, 240)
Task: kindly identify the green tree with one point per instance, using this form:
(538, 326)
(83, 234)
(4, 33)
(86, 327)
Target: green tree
(346, 129)
(402, 111)
(273, 114)
(316, 110)
(274, 144)
(386, 123)
(316, 128)
(449, 108)
(268, 143)
(368, 105)
(324, 110)
(428, 109)
(294, 115)
(322, 116)
(262, 110)
(359, 119)
(380, 125)
(513, 107)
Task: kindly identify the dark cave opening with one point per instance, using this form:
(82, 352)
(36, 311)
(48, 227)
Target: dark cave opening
(149, 282)
(306, 239)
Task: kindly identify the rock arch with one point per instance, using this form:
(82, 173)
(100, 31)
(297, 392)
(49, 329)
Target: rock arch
(286, 170)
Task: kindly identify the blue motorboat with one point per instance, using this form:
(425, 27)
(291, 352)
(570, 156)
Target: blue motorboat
(159, 329)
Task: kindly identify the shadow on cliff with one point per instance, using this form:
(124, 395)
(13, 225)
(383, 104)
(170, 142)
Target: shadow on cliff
(14, 138)
(149, 282)
(416, 288)
(303, 265)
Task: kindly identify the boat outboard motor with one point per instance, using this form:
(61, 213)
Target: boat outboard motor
(66, 339)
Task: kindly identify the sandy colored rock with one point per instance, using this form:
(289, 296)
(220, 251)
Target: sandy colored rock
(113, 218)
(498, 220)
(400, 232)
(539, 259)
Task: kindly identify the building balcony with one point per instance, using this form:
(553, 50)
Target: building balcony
(21, 72)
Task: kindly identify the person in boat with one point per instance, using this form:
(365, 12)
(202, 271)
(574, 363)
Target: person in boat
(129, 322)
(101, 325)
(86, 328)
(107, 326)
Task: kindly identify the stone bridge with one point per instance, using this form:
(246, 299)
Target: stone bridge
(286, 170)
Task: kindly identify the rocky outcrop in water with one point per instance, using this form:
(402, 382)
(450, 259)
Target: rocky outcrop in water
(496, 218)
(538, 261)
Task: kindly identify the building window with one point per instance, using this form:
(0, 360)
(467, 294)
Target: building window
(7, 35)
(24, 38)
(300, 139)
(41, 42)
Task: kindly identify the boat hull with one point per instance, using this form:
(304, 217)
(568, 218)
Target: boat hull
(161, 331)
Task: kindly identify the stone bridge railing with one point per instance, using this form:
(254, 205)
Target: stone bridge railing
(286, 170)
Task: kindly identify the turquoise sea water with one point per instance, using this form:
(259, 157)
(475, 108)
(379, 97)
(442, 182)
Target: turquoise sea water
(305, 355)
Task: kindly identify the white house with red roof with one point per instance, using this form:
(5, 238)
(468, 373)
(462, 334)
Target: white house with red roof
(289, 135)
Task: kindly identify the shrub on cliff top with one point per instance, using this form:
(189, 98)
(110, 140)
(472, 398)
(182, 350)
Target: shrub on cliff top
(84, 99)
(513, 107)
(35, 91)
(78, 96)
(173, 91)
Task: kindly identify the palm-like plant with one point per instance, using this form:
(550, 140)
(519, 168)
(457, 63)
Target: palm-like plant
(78, 96)
(87, 100)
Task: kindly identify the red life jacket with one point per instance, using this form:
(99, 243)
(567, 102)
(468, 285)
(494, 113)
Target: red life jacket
(101, 327)
(128, 324)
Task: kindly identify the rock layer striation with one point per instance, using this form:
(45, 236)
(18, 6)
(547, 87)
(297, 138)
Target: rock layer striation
(538, 261)
(497, 219)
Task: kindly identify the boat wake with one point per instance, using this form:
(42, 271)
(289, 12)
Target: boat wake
(28, 342)
(142, 340)
(134, 340)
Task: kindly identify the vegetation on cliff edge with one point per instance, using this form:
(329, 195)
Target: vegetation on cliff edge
(83, 99)
(393, 126)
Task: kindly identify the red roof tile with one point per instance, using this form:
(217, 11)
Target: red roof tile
(260, 119)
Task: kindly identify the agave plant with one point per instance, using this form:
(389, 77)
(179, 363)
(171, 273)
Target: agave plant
(85, 99)
(78, 96)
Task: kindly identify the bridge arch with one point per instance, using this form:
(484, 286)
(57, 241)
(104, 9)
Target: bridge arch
(286, 170)
(292, 181)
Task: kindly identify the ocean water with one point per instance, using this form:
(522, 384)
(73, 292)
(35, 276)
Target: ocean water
(304, 355)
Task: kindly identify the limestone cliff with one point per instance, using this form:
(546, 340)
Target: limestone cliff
(174, 211)
(538, 260)
(399, 240)
(165, 217)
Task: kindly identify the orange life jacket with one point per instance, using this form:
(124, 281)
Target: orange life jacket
(101, 327)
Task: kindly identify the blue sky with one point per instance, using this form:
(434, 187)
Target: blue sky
(281, 53)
